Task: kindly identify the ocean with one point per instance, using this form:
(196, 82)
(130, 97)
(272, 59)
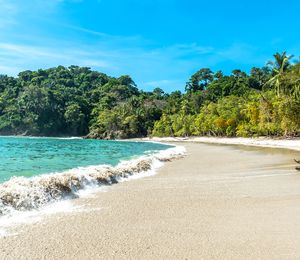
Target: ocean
(37, 171)
(23, 156)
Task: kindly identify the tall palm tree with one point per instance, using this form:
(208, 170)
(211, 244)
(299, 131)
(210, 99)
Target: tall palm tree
(294, 81)
(279, 67)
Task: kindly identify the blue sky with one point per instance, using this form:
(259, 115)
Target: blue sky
(159, 43)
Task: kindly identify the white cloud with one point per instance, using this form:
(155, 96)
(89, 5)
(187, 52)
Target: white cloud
(85, 30)
(150, 64)
(24, 51)
(15, 58)
(145, 65)
(167, 67)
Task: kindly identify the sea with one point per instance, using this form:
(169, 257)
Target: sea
(36, 171)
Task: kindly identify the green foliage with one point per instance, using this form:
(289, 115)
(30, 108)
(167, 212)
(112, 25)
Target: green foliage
(79, 101)
(265, 103)
(200, 80)
(74, 101)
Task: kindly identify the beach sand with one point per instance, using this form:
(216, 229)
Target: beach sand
(218, 202)
(292, 143)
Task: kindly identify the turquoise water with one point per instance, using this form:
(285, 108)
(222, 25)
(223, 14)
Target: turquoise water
(23, 156)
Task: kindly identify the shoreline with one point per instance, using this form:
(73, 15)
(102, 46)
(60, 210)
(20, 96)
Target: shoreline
(245, 206)
(21, 194)
(292, 144)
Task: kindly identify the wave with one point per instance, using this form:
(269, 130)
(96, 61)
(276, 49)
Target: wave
(21, 194)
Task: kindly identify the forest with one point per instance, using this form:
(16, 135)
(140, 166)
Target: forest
(76, 101)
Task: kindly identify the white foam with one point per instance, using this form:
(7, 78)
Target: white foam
(10, 223)
(25, 200)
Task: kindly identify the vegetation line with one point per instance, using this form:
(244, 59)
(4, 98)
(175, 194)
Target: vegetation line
(77, 101)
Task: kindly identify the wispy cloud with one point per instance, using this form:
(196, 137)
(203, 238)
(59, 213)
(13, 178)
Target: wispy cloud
(167, 67)
(150, 63)
(84, 30)
(146, 65)
(24, 51)
(21, 57)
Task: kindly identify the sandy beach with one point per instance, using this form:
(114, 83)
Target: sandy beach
(218, 202)
(292, 143)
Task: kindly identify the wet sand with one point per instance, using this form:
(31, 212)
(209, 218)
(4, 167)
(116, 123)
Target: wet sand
(218, 202)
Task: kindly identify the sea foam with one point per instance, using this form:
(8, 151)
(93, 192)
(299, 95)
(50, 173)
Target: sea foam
(22, 194)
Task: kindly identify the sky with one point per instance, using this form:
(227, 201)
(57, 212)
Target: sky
(158, 43)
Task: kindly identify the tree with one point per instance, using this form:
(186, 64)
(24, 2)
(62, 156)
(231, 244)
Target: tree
(75, 119)
(200, 80)
(258, 77)
(158, 93)
(279, 66)
(78, 101)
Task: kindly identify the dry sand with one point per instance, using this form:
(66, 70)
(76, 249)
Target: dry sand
(219, 202)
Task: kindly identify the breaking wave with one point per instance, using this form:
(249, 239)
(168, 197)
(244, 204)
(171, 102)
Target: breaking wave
(20, 193)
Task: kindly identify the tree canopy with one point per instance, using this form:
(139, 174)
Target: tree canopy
(81, 102)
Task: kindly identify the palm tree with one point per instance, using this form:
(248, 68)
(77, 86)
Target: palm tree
(279, 67)
(293, 79)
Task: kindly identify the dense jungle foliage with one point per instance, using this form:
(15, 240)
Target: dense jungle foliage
(78, 101)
